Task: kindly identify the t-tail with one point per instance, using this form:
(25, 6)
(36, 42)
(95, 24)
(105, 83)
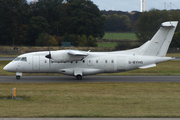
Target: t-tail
(160, 42)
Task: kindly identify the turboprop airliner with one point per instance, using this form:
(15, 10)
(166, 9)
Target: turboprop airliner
(82, 63)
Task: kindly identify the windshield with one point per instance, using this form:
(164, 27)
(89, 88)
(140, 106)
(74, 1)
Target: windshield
(17, 59)
(20, 59)
(23, 59)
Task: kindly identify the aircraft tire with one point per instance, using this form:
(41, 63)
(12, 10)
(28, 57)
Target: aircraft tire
(18, 77)
(79, 77)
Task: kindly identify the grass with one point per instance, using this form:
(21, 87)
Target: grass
(128, 36)
(8, 55)
(105, 44)
(173, 55)
(91, 100)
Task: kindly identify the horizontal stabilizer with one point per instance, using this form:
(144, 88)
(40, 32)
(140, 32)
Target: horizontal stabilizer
(77, 53)
(167, 24)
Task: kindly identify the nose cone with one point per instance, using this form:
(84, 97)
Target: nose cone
(7, 67)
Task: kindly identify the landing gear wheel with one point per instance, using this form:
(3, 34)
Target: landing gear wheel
(18, 77)
(79, 77)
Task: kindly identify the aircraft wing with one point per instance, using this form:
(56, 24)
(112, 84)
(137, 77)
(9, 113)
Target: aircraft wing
(77, 53)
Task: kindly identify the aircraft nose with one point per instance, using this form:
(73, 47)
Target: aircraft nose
(7, 68)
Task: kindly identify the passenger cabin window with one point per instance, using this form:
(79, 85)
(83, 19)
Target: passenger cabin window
(17, 59)
(96, 61)
(112, 61)
(24, 59)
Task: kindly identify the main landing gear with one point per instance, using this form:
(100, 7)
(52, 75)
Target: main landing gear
(18, 77)
(79, 77)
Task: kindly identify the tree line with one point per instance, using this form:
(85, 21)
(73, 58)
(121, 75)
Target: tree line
(49, 22)
(149, 22)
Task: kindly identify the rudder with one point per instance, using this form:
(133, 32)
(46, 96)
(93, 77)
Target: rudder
(160, 42)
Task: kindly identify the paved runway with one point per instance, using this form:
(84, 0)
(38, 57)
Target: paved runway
(89, 118)
(6, 58)
(45, 79)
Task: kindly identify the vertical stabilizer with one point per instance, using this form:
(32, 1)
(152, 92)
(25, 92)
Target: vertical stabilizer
(160, 42)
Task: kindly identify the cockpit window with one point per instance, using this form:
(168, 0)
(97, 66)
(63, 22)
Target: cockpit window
(20, 59)
(17, 59)
(23, 59)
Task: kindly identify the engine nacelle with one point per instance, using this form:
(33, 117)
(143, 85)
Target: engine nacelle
(65, 56)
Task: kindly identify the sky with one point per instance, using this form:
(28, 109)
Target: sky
(134, 5)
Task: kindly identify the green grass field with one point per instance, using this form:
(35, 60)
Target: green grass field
(122, 36)
(109, 45)
(91, 100)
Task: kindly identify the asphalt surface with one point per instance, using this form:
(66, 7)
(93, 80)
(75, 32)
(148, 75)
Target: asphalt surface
(6, 58)
(58, 79)
(89, 118)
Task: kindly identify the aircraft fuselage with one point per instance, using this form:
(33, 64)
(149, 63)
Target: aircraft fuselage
(94, 63)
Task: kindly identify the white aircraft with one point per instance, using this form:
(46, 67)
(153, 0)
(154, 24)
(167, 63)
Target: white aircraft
(80, 63)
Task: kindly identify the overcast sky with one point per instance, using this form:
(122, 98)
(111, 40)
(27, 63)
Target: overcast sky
(131, 5)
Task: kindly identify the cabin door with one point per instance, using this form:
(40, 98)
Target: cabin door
(36, 63)
(121, 63)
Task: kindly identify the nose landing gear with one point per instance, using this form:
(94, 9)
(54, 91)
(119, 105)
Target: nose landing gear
(18, 75)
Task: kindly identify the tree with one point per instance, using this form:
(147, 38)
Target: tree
(45, 39)
(147, 24)
(116, 23)
(126, 23)
(91, 42)
(50, 10)
(83, 41)
(176, 40)
(73, 40)
(14, 15)
(37, 26)
(84, 18)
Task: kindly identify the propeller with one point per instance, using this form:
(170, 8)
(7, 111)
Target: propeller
(49, 57)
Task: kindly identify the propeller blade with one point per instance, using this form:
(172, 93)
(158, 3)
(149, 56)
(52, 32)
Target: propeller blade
(48, 56)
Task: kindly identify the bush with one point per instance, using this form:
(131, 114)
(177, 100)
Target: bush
(126, 45)
(45, 39)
